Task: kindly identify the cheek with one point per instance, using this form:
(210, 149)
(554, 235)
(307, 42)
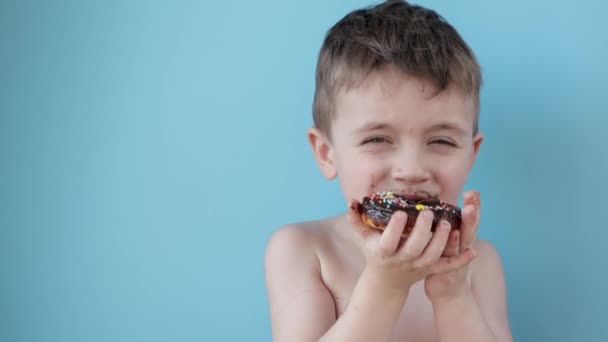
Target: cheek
(452, 177)
(361, 175)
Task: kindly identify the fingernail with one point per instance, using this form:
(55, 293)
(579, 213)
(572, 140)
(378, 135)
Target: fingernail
(445, 225)
(469, 195)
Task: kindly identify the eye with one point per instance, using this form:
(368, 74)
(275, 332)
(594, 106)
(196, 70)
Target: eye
(443, 142)
(375, 140)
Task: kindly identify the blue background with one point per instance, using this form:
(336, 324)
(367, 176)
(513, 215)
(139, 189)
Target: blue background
(149, 149)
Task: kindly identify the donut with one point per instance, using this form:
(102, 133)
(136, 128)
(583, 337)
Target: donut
(377, 209)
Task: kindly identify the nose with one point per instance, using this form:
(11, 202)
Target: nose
(409, 167)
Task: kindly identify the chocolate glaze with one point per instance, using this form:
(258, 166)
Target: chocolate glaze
(377, 209)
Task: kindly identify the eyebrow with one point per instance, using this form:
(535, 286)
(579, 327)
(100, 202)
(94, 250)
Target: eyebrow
(441, 126)
(372, 126)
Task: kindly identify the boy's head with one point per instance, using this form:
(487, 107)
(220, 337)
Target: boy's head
(396, 103)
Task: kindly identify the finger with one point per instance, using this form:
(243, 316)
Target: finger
(390, 238)
(470, 219)
(433, 250)
(453, 263)
(468, 228)
(469, 197)
(453, 246)
(419, 237)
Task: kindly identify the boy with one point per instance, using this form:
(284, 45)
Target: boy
(395, 109)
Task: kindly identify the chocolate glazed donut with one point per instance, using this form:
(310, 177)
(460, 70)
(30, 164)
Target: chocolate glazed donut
(377, 209)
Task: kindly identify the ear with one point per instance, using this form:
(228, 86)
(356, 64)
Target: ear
(477, 140)
(323, 151)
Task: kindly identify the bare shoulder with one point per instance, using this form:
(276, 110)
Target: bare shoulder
(485, 248)
(488, 258)
(301, 306)
(296, 244)
(487, 269)
(489, 288)
(291, 247)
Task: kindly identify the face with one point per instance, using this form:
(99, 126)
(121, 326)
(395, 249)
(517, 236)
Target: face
(394, 133)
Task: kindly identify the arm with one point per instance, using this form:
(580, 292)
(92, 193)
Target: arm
(481, 313)
(301, 306)
(371, 314)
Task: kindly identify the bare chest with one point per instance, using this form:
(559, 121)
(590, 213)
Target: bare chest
(415, 323)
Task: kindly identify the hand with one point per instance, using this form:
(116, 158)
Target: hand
(398, 263)
(446, 283)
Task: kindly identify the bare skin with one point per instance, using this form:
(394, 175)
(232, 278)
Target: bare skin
(337, 280)
(310, 299)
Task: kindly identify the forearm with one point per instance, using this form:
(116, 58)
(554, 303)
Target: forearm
(460, 319)
(371, 314)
